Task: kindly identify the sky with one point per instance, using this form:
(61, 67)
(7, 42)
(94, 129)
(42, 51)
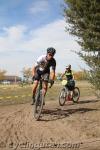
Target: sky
(28, 28)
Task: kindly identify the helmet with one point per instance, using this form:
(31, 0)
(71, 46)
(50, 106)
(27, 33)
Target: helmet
(68, 66)
(51, 50)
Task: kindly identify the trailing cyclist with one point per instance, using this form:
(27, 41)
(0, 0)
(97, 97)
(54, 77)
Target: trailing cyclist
(42, 69)
(70, 79)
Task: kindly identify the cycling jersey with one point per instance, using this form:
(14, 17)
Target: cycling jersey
(44, 65)
(71, 83)
(69, 74)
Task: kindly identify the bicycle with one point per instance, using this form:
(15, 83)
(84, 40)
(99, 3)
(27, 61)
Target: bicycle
(39, 101)
(66, 96)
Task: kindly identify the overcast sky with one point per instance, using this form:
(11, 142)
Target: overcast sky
(28, 28)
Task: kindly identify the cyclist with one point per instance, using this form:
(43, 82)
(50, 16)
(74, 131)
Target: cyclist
(42, 69)
(70, 79)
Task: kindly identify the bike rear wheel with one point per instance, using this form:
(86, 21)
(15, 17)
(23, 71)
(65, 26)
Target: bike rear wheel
(62, 97)
(38, 105)
(76, 94)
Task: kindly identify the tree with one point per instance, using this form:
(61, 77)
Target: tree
(27, 74)
(80, 75)
(2, 74)
(83, 17)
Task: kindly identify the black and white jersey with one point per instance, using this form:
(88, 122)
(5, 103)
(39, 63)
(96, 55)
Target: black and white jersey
(44, 65)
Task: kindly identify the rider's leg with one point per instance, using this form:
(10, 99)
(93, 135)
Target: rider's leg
(72, 91)
(34, 90)
(67, 91)
(45, 83)
(45, 87)
(72, 88)
(71, 94)
(36, 81)
(34, 87)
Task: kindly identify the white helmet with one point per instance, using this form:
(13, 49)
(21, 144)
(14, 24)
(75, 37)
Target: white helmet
(68, 66)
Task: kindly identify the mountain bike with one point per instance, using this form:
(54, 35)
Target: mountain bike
(39, 101)
(65, 94)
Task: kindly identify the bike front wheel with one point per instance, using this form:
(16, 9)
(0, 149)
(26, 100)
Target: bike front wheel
(62, 97)
(76, 94)
(38, 106)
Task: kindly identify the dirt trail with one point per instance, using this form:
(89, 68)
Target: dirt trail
(73, 123)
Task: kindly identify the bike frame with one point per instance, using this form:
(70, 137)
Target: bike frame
(40, 85)
(68, 93)
(40, 95)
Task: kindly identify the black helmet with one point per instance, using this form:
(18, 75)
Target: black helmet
(51, 50)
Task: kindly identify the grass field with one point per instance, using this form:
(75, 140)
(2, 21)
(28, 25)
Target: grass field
(15, 94)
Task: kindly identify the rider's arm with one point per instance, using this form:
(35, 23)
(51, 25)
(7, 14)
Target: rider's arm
(33, 70)
(52, 73)
(62, 75)
(73, 76)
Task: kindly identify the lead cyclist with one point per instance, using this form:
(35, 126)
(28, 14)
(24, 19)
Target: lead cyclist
(42, 69)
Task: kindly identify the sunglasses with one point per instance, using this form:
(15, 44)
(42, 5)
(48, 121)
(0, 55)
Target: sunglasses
(50, 54)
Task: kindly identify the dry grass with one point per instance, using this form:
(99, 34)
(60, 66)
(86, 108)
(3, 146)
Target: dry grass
(86, 89)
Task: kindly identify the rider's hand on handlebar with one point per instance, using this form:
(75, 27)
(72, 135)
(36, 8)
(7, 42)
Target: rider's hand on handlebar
(33, 78)
(60, 78)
